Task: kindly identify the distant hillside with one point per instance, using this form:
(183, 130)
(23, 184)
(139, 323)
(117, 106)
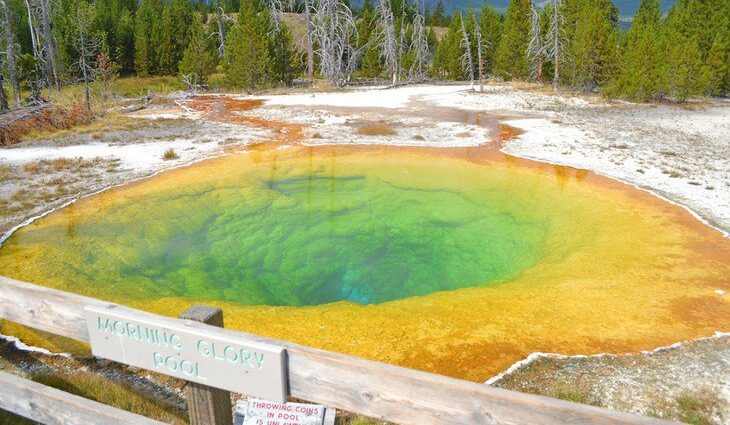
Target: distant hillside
(627, 8)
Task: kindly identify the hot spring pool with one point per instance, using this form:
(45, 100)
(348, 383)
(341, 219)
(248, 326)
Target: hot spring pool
(454, 261)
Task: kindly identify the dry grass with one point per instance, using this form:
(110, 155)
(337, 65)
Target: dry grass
(49, 120)
(377, 129)
(94, 128)
(46, 166)
(7, 173)
(170, 155)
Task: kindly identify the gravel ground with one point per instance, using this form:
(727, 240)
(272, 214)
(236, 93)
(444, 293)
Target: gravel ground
(677, 382)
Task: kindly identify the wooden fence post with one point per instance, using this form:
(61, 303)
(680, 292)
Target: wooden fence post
(207, 405)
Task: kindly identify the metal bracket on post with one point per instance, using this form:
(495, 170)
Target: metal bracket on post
(206, 405)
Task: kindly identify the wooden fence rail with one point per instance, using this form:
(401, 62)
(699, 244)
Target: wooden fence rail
(51, 406)
(373, 389)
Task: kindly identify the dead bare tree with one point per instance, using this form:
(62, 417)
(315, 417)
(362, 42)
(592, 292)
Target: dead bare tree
(419, 45)
(535, 46)
(467, 61)
(555, 37)
(10, 50)
(334, 31)
(43, 40)
(222, 21)
(34, 40)
(276, 10)
(402, 45)
(87, 44)
(49, 44)
(310, 39)
(4, 107)
(480, 51)
(389, 50)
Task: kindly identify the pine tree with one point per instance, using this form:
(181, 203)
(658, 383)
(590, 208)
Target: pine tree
(717, 66)
(247, 54)
(145, 25)
(282, 53)
(176, 20)
(198, 60)
(491, 27)
(695, 48)
(447, 57)
(593, 47)
(125, 41)
(370, 63)
(640, 74)
(439, 18)
(511, 61)
(166, 61)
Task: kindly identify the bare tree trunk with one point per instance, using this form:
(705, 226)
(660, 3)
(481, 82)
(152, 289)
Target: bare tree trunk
(419, 45)
(49, 47)
(86, 45)
(310, 48)
(556, 42)
(34, 41)
(85, 71)
(389, 44)
(32, 29)
(10, 52)
(220, 18)
(536, 48)
(480, 57)
(334, 29)
(467, 59)
(3, 96)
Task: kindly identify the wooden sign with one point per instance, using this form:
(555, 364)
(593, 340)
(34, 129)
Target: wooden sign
(261, 412)
(171, 347)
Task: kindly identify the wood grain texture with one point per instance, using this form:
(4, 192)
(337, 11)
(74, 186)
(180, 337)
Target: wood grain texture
(54, 407)
(207, 405)
(374, 389)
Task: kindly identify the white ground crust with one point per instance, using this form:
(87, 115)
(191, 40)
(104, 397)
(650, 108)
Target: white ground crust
(140, 155)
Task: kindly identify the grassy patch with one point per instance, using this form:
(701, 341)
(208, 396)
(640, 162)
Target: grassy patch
(345, 418)
(379, 129)
(7, 418)
(574, 394)
(111, 393)
(138, 87)
(170, 154)
(698, 407)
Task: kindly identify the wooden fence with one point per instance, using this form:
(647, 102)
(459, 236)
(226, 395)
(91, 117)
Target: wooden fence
(378, 390)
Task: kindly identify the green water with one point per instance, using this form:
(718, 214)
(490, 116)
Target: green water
(294, 237)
